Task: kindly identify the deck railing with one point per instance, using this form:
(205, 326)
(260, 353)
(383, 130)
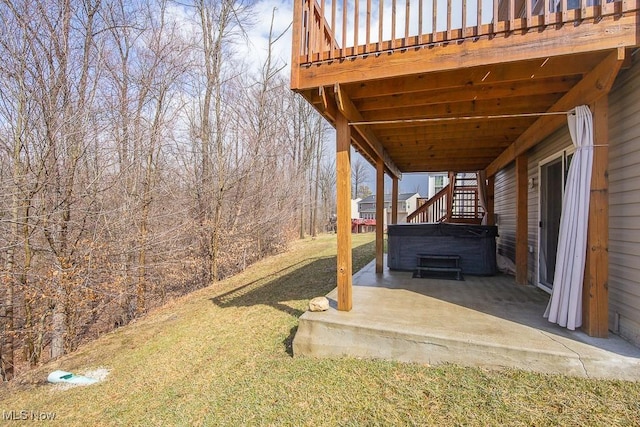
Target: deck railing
(339, 29)
(435, 209)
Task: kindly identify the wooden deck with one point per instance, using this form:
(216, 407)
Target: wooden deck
(456, 98)
(464, 86)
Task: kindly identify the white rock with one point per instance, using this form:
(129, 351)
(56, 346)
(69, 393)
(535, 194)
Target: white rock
(319, 304)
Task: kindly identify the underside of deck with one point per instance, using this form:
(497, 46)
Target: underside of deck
(464, 99)
(482, 321)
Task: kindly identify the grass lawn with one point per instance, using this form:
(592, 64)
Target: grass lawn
(222, 356)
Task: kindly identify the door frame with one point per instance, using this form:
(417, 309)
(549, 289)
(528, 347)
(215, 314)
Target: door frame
(564, 154)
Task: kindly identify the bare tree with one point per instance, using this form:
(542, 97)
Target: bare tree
(164, 65)
(220, 24)
(135, 166)
(359, 175)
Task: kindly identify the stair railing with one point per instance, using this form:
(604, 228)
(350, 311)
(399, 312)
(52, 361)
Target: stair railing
(434, 209)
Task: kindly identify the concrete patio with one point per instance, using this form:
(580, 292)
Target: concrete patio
(481, 321)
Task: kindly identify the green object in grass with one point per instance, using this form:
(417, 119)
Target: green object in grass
(70, 378)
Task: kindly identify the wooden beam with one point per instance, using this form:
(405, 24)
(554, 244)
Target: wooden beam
(485, 107)
(452, 183)
(595, 291)
(483, 127)
(438, 166)
(380, 219)
(454, 141)
(522, 232)
(394, 200)
(491, 191)
(426, 155)
(530, 71)
(296, 45)
(346, 107)
(343, 190)
(470, 93)
(592, 87)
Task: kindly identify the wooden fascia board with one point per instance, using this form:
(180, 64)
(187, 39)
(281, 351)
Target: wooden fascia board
(346, 107)
(591, 88)
(567, 40)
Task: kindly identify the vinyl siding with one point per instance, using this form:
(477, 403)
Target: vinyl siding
(505, 201)
(505, 210)
(624, 205)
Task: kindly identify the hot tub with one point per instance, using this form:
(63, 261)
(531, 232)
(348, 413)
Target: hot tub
(475, 244)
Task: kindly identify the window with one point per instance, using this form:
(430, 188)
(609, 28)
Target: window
(439, 183)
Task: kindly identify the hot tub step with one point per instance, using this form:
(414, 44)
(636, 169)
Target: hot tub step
(438, 272)
(438, 265)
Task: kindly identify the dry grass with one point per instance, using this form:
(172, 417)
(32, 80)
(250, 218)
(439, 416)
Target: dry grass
(221, 356)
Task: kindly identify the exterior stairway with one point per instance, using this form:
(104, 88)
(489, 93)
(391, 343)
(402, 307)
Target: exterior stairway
(457, 202)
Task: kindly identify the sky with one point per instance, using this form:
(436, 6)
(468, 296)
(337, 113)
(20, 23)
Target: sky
(256, 50)
(258, 34)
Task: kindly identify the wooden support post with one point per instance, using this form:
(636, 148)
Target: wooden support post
(380, 220)
(595, 291)
(343, 184)
(491, 198)
(296, 41)
(452, 183)
(522, 232)
(394, 200)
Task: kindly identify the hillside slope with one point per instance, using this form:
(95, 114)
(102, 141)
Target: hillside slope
(221, 356)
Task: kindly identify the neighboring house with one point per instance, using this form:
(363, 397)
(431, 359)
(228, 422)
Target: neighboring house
(407, 203)
(355, 213)
(437, 181)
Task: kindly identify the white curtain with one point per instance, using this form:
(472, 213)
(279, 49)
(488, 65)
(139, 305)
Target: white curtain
(565, 305)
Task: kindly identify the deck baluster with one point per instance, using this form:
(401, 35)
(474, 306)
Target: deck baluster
(420, 13)
(344, 28)
(407, 16)
(435, 21)
(380, 23)
(449, 19)
(393, 24)
(368, 33)
(479, 18)
(356, 25)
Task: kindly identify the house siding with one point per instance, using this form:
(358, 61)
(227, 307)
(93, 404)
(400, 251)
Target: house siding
(505, 201)
(505, 210)
(624, 206)
(558, 141)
